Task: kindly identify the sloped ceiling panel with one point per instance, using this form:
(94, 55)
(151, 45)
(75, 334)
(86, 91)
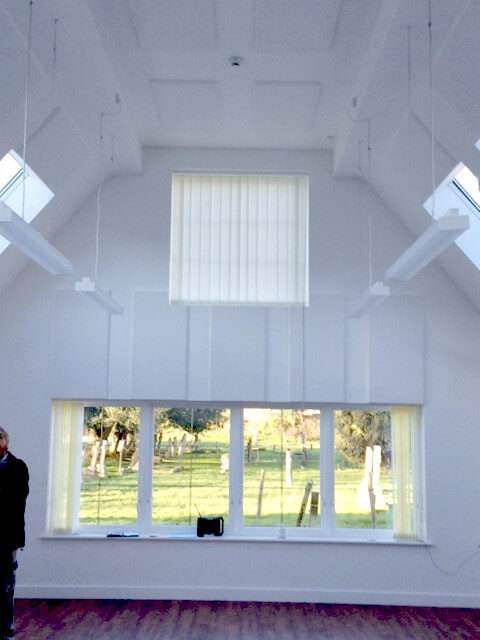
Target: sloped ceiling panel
(47, 146)
(11, 66)
(190, 25)
(280, 105)
(303, 25)
(187, 105)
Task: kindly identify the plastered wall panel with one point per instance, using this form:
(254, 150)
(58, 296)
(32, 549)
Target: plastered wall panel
(297, 348)
(325, 349)
(356, 360)
(396, 351)
(80, 348)
(119, 376)
(238, 353)
(159, 347)
(277, 354)
(199, 351)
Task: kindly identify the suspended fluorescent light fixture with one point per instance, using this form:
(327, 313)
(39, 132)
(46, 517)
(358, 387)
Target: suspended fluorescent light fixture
(32, 243)
(89, 289)
(437, 238)
(374, 295)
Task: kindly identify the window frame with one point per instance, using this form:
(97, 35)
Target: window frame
(235, 529)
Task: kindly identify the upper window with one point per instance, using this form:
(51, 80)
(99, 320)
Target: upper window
(26, 200)
(460, 190)
(239, 239)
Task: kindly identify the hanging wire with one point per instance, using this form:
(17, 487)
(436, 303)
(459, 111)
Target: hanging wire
(27, 82)
(100, 180)
(54, 78)
(99, 192)
(190, 488)
(282, 462)
(99, 481)
(370, 264)
(430, 85)
(409, 92)
(54, 63)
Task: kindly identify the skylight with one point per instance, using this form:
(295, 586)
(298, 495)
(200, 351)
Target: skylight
(467, 183)
(460, 190)
(10, 172)
(37, 194)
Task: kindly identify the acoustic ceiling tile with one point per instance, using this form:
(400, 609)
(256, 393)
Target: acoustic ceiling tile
(189, 25)
(303, 25)
(188, 105)
(277, 105)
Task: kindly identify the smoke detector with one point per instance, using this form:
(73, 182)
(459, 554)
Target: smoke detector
(236, 61)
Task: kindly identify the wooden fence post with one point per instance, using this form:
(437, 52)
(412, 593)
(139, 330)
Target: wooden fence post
(303, 506)
(260, 493)
(314, 521)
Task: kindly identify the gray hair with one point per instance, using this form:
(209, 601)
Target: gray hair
(4, 434)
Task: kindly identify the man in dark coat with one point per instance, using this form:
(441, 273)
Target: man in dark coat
(13, 495)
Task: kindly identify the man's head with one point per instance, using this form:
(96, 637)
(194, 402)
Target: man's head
(4, 439)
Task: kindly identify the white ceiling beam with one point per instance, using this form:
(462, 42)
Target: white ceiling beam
(386, 111)
(373, 60)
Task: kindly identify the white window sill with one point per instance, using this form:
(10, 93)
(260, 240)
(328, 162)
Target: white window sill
(236, 538)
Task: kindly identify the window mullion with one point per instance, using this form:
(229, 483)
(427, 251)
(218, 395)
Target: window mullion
(327, 471)
(145, 473)
(236, 470)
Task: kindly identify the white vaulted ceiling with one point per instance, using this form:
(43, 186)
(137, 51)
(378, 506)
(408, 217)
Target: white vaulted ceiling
(313, 73)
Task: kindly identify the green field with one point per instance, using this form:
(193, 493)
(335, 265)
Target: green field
(193, 483)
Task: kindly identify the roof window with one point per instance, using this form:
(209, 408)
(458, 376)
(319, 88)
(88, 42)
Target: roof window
(460, 190)
(37, 194)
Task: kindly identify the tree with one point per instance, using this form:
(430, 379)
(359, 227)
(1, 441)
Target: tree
(124, 421)
(200, 420)
(295, 423)
(356, 430)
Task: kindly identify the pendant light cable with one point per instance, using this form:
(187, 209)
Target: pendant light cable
(430, 85)
(370, 265)
(190, 481)
(282, 462)
(100, 179)
(99, 191)
(409, 130)
(27, 82)
(54, 64)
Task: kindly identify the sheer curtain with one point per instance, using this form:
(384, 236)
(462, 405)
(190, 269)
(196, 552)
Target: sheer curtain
(406, 477)
(64, 440)
(239, 239)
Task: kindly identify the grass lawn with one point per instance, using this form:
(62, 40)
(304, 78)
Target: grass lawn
(193, 483)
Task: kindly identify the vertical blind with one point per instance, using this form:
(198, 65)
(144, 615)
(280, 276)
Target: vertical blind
(406, 477)
(239, 239)
(61, 492)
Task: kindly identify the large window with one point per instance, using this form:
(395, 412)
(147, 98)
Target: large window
(239, 239)
(315, 473)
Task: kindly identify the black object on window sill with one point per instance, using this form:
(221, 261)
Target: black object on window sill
(209, 526)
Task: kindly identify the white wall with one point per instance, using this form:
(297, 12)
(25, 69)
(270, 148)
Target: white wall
(421, 346)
